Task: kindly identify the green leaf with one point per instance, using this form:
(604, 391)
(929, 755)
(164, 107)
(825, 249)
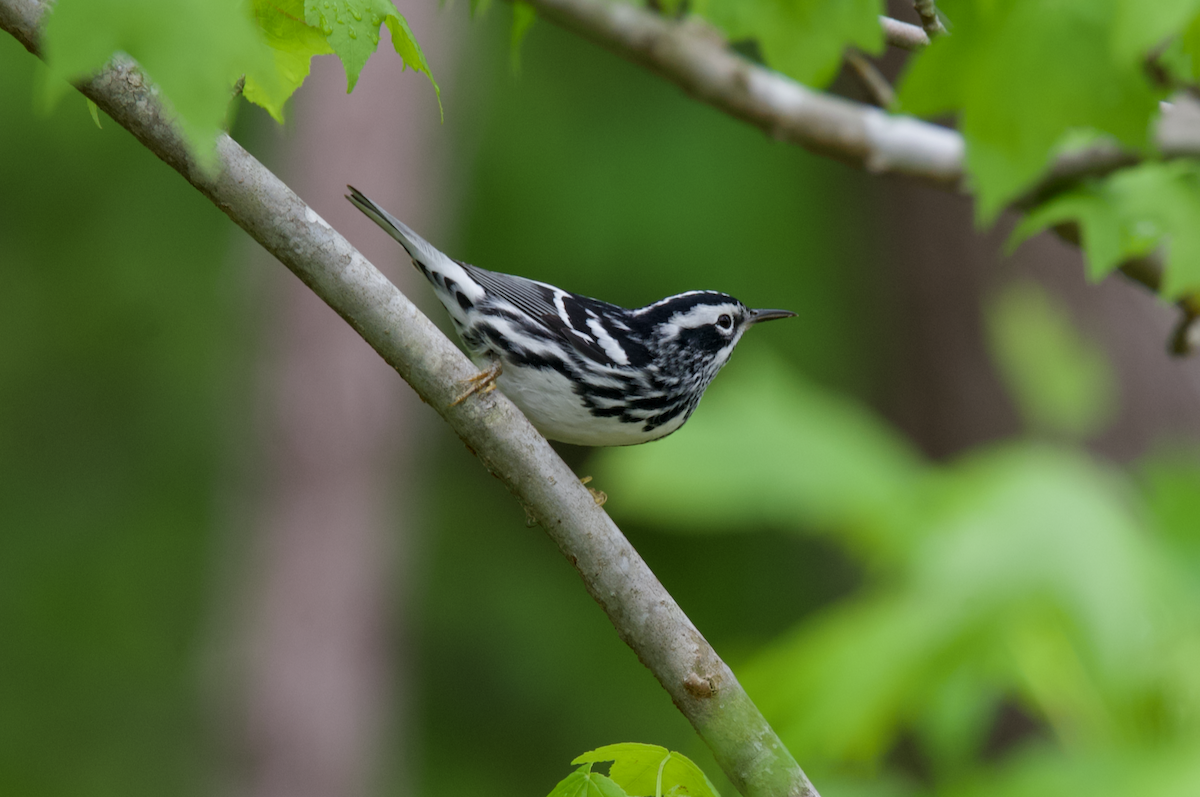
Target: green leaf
(1099, 225)
(957, 716)
(650, 769)
(352, 29)
(1022, 75)
(585, 783)
(821, 686)
(1171, 484)
(94, 110)
(1188, 48)
(1130, 214)
(410, 52)
(1168, 769)
(1062, 383)
(768, 447)
(1141, 27)
(293, 43)
(1032, 578)
(524, 16)
(193, 50)
(804, 39)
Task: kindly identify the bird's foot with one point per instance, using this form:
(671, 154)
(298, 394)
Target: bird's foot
(482, 382)
(599, 496)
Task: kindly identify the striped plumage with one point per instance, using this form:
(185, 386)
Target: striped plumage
(583, 371)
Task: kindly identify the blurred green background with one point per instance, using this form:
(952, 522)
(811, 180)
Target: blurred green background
(1015, 615)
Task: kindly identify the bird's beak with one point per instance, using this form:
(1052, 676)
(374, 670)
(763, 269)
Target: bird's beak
(767, 315)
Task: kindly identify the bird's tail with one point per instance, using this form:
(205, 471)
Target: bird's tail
(425, 255)
(457, 290)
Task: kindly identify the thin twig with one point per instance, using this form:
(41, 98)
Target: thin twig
(903, 35)
(854, 133)
(704, 67)
(872, 80)
(930, 21)
(644, 614)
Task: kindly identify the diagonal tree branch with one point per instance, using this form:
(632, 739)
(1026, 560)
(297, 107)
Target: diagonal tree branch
(645, 615)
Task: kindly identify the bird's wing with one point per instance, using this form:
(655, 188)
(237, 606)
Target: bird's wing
(460, 284)
(557, 310)
(535, 299)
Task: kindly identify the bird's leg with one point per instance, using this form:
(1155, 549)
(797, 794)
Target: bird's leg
(599, 496)
(482, 382)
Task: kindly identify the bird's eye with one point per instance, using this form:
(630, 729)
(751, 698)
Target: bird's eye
(724, 321)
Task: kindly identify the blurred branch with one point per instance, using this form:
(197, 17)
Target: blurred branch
(903, 35)
(930, 22)
(695, 57)
(646, 617)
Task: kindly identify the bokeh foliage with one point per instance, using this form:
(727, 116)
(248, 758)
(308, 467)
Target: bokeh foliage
(120, 319)
(1026, 577)
(891, 614)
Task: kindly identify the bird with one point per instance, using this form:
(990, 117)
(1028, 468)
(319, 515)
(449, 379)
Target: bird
(583, 371)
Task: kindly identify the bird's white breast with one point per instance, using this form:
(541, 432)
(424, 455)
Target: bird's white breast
(546, 398)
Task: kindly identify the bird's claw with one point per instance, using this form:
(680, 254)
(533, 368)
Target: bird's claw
(483, 382)
(599, 496)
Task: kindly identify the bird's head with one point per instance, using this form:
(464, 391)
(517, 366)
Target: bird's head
(697, 331)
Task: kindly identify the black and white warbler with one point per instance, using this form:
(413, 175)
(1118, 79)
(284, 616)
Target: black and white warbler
(583, 371)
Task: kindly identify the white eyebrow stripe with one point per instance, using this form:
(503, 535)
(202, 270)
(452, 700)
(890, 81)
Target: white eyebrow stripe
(702, 314)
